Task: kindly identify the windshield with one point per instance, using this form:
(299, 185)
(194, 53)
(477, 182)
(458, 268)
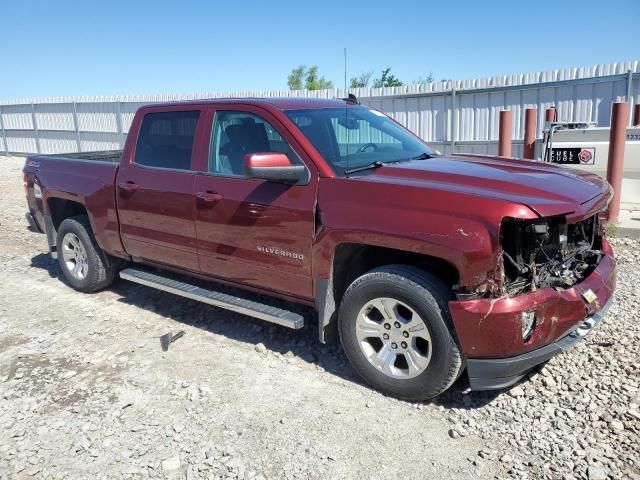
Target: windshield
(356, 136)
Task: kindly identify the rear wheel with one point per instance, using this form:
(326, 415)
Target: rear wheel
(396, 331)
(83, 263)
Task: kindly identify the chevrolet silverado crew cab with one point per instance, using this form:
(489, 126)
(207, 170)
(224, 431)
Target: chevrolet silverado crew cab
(427, 266)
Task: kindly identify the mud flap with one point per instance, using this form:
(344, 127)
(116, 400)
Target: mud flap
(326, 306)
(52, 234)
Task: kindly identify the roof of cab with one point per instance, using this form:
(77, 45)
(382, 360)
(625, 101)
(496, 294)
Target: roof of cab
(281, 103)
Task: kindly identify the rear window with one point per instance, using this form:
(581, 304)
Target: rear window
(166, 139)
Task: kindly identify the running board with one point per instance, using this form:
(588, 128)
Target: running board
(217, 299)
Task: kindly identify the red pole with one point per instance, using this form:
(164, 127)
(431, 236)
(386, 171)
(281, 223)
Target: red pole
(504, 138)
(529, 149)
(550, 114)
(615, 166)
(636, 115)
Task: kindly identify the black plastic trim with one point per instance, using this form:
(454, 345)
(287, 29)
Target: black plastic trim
(325, 306)
(32, 223)
(51, 232)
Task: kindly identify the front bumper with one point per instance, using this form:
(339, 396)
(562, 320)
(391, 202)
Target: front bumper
(491, 374)
(490, 330)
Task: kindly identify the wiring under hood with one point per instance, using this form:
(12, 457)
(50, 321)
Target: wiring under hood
(548, 252)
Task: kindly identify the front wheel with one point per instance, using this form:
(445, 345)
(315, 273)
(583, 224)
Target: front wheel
(83, 263)
(396, 331)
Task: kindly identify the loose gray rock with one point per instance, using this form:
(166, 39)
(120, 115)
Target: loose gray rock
(178, 427)
(597, 473)
(171, 463)
(516, 391)
(617, 425)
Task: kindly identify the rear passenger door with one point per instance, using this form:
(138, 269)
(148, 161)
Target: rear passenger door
(155, 189)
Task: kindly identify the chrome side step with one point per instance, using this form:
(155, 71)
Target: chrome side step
(218, 299)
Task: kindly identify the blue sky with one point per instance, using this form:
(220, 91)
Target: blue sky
(62, 47)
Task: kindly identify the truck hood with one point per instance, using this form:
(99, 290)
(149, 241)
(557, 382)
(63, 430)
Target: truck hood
(545, 188)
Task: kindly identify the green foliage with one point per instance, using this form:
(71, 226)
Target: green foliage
(304, 77)
(294, 80)
(387, 79)
(361, 80)
(425, 79)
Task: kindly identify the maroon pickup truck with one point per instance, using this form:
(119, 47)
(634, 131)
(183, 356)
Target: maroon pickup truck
(427, 266)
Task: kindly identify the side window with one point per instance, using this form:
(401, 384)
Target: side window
(166, 140)
(236, 134)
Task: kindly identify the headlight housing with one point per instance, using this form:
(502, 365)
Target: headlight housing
(548, 252)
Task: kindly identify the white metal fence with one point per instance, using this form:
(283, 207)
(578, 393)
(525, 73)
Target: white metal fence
(459, 115)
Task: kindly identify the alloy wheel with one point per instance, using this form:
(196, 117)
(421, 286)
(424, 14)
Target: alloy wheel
(75, 256)
(394, 338)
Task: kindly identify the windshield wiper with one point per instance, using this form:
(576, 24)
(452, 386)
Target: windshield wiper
(424, 156)
(371, 166)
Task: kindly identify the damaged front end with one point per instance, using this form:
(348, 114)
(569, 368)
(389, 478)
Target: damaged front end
(548, 253)
(552, 282)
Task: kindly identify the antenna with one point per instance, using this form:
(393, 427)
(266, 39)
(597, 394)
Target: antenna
(345, 70)
(346, 107)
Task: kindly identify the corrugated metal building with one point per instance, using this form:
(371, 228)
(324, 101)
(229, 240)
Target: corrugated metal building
(460, 115)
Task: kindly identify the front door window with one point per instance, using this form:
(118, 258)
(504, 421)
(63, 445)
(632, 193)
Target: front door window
(236, 134)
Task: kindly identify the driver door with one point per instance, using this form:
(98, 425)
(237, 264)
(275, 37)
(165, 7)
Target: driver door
(253, 232)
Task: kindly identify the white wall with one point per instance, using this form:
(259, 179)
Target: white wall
(460, 115)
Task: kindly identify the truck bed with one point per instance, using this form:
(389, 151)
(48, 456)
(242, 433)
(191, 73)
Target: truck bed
(86, 179)
(111, 156)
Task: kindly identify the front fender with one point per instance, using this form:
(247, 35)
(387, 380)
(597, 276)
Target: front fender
(460, 229)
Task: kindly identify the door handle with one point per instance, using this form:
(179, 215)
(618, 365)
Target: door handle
(209, 197)
(128, 186)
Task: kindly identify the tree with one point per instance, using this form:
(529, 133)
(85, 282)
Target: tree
(425, 79)
(387, 80)
(294, 80)
(304, 77)
(361, 80)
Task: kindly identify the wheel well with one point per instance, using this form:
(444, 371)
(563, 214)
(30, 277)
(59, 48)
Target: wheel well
(60, 208)
(351, 260)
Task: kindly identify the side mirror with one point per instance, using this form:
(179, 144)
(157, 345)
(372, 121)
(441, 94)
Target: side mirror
(273, 167)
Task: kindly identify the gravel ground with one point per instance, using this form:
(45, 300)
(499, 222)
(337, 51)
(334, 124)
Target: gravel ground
(87, 392)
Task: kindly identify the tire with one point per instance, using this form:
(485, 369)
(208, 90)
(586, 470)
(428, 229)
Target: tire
(95, 270)
(432, 359)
